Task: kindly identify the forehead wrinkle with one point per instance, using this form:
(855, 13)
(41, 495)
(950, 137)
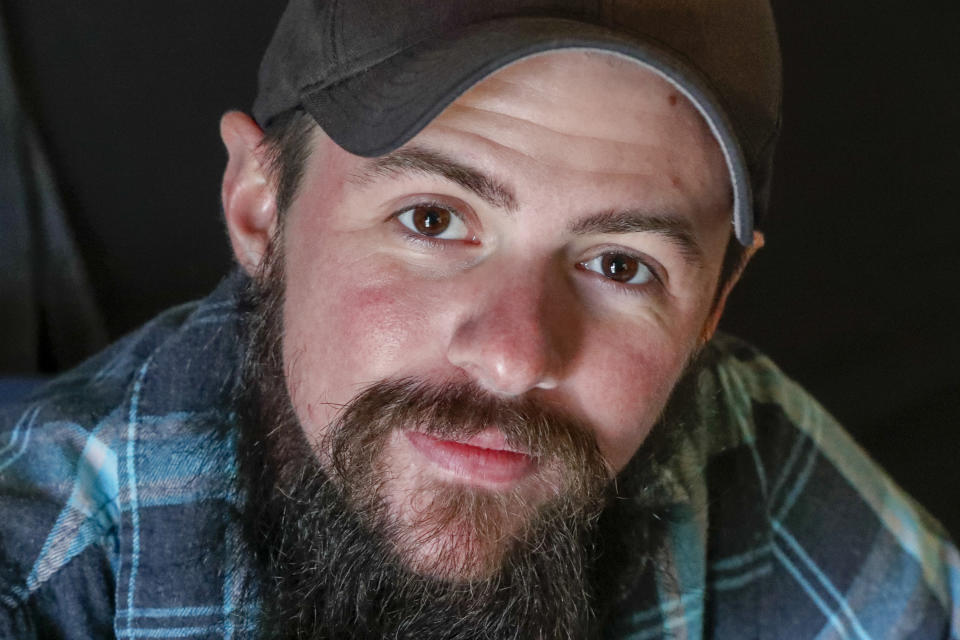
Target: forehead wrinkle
(499, 115)
(422, 160)
(677, 230)
(529, 156)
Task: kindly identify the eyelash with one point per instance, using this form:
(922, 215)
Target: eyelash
(620, 287)
(424, 240)
(441, 245)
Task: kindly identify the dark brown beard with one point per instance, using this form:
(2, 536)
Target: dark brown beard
(333, 560)
(468, 530)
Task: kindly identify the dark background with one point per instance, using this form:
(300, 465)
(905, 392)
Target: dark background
(856, 294)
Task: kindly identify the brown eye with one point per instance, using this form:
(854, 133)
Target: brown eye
(619, 267)
(433, 221)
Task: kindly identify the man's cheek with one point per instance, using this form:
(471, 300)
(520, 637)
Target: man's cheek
(386, 328)
(623, 390)
(351, 336)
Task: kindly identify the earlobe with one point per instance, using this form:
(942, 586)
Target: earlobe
(249, 203)
(710, 326)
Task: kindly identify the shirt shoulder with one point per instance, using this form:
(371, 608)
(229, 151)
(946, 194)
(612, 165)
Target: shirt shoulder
(834, 535)
(66, 478)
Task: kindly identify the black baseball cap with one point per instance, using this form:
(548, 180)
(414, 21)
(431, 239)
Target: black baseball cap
(373, 73)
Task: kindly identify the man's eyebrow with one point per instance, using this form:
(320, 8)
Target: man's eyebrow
(679, 231)
(418, 159)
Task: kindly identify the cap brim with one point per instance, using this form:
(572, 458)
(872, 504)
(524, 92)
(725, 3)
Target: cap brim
(381, 108)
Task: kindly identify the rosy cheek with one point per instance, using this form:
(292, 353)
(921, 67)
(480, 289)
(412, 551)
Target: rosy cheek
(380, 328)
(622, 392)
(341, 339)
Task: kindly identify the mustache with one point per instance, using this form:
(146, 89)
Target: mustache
(457, 411)
(335, 556)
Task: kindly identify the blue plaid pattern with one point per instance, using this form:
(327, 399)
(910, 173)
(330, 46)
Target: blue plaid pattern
(117, 517)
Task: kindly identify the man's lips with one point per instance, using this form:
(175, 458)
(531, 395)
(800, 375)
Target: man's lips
(484, 458)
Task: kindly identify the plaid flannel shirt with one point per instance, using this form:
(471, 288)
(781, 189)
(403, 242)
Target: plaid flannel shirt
(115, 520)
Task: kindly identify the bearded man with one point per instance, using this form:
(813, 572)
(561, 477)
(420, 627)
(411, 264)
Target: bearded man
(465, 381)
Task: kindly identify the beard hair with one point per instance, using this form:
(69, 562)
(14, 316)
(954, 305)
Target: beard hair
(332, 559)
(450, 531)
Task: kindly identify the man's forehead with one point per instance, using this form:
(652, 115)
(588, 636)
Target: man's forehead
(538, 88)
(545, 87)
(556, 70)
(583, 96)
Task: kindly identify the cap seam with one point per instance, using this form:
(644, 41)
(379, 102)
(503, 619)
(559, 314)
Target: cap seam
(336, 31)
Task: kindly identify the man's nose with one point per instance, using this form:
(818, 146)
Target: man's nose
(513, 338)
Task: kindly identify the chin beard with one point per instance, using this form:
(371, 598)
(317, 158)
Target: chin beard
(334, 558)
(337, 563)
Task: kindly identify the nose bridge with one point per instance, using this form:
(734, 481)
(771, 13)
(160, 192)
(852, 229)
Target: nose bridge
(512, 336)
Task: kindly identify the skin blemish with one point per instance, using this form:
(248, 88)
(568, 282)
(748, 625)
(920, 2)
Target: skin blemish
(672, 99)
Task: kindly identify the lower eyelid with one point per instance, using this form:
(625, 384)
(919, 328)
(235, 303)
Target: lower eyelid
(652, 287)
(422, 240)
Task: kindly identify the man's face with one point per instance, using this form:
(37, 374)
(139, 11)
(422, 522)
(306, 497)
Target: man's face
(556, 234)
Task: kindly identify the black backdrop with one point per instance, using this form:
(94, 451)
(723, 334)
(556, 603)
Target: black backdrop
(855, 295)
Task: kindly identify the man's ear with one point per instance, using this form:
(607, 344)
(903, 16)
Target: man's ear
(710, 326)
(249, 203)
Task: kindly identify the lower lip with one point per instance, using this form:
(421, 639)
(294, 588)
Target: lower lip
(493, 466)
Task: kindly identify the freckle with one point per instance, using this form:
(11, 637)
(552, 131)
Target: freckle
(675, 181)
(673, 99)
